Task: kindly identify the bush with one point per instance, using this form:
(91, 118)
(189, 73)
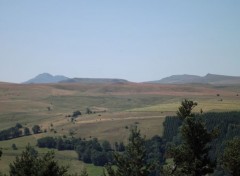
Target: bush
(76, 113)
(14, 147)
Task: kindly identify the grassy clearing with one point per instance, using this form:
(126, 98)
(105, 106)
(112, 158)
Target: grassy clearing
(215, 104)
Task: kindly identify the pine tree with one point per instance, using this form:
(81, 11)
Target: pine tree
(31, 164)
(191, 157)
(185, 110)
(133, 161)
(231, 157)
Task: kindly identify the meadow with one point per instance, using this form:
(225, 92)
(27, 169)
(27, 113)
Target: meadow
(116, 108)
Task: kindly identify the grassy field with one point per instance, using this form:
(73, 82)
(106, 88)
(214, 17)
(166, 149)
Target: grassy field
(116, 106)
(66, 158)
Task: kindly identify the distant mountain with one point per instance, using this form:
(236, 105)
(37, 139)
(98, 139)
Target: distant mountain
(178, 79)
(46, 78)
(208, 79)
(94, 80)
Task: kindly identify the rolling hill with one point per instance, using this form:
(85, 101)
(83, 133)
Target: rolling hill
(94, 80)
(208, 79)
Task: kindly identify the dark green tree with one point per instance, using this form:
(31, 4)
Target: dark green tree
(24, 164)
(185, 110)
(231, 157)
(31, 164)
(26, 131)
(36, 129)
(192, 156)
(14, 147)
(1, 153)
(133, 161)
(106, 146)
(49, 166)
(76, 113)
(88, 111)
(99, 158)
(18, 125)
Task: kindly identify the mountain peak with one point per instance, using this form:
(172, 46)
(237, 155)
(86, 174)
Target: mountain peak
(46, 78)
(45, 74)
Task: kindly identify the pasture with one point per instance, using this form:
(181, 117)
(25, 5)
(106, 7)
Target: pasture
(116, 107)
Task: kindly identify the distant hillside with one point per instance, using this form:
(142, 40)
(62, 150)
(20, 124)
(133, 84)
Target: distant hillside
(178, 79)
(208, 79)
(94, 80)
(46, 78)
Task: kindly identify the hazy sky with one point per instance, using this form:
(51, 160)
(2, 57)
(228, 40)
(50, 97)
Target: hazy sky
(138, 40)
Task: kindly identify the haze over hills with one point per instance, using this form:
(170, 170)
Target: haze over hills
(46, 78)
(174, 79)
(208, 79)
(93, 80)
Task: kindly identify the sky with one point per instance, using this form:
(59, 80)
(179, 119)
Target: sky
(137, 40)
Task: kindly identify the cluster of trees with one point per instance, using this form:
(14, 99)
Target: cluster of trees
(101, 153)
(13, 132)
(141, 158)
(30, 163)
(91, 151)
(196, 142)
(226, 124)
(10, 133)
(18, 131)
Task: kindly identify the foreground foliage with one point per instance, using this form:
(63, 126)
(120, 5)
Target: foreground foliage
(133, 162)
(31, 164)
(231, 157)
(191, 157)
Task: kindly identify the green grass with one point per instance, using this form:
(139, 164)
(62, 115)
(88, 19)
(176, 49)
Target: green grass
(208, 104)
(65, 158)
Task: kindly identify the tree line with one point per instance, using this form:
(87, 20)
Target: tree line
(17, 131)
(100, 153)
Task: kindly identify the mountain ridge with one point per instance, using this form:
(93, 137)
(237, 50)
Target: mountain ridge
(94, 80)
(207, 79)
(174, 79)
(46, 78)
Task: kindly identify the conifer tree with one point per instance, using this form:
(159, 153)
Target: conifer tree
(185, 110)
(231, 157)
(31, 164)
(133, 161)
(191, 157)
